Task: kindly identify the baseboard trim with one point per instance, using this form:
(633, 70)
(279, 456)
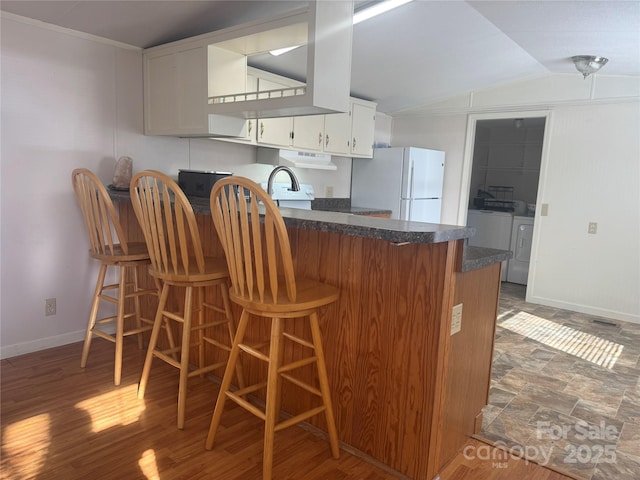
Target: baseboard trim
(600, 312)
(9, 351)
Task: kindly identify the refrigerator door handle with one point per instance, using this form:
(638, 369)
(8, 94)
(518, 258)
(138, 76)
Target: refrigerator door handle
(411, 180)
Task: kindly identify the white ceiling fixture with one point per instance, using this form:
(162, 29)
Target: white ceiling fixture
(281, 51)
(358, 16)
(377, 9)
(588, 64)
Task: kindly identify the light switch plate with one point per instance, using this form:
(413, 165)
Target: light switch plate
(456, 319)
(544, 211)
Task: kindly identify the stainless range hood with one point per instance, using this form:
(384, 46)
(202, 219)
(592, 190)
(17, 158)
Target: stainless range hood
(291, 158)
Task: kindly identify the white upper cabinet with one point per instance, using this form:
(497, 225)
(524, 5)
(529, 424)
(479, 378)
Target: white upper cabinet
(331, 133)
(308, 132)
(176, 87)
(170, 105)
(337, 133)
(198, 86)
(362, 129)
(275, 131)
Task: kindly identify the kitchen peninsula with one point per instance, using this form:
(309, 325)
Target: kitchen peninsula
(406, 391)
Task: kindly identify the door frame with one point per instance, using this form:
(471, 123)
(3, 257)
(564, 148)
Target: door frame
(467, 165)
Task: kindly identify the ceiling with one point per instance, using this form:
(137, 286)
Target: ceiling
(419, 53)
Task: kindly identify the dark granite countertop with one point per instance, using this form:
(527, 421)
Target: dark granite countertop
(395, 231)
(355, 210)
(475, 258)
(343, 205)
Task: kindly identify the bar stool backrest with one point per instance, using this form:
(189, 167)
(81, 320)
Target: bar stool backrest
(168, 224)
(257, 250)
(101, 221)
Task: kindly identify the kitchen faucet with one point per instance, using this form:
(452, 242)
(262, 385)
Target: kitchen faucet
(295, 185)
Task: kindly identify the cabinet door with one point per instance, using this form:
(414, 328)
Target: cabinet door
(175, 93)
(308, 132)
(275, 131)
(337, 133)
(362, 129)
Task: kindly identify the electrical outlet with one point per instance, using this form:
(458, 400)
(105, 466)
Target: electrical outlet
(49, 307)
(593, 228)
(329, 191)
(456, 318)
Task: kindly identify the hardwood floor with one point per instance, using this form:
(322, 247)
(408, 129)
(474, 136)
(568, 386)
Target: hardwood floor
(62, 422)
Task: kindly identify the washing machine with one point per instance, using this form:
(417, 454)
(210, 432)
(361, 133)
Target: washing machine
(521, 239)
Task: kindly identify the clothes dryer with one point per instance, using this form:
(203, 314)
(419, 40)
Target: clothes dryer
(493, 230)
(521, 240)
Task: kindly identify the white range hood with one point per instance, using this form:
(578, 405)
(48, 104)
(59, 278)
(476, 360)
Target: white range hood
(292, 158)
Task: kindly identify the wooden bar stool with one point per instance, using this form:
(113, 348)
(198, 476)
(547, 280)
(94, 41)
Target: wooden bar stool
(263, 283)
(108, 245)
(177, 259)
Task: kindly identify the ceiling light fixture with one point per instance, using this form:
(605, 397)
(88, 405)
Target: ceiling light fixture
(359, 16)
(279, 51)
(377, 9)
(588, 64)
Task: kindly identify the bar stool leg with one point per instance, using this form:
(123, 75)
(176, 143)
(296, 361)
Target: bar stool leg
(230, 326)
(93, 315)
(324, 384)
(157, 324)
(122, 286)
(184, 354)
(136, 304)
(271, 401)
(201, 321)
(226, 380)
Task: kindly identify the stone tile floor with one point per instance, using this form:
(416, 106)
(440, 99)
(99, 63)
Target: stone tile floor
(565, 389)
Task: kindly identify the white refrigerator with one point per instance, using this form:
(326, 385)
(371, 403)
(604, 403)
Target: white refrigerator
(406, 180)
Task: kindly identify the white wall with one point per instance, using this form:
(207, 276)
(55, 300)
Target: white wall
(71, 100)
(590, 173)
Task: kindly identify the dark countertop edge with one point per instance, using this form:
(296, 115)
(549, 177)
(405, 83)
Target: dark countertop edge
(394, 231)
(354, 210)
(475, 258)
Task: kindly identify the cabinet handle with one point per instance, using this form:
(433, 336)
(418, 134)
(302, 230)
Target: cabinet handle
(261, 129)
(326, 142)
(250, 127)
(354, 142)
(320, 139)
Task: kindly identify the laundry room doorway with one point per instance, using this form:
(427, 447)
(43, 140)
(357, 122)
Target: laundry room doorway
(504, 157)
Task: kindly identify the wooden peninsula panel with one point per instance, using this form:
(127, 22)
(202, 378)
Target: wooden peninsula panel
(387, 343)
(469, 358)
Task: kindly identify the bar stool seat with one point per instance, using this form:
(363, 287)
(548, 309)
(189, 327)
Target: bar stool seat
(177, 259)
(263, 283)
(108, 245)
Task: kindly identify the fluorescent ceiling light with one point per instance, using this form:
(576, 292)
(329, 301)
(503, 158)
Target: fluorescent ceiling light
(359, 16)
(280, 51)
(377, 9)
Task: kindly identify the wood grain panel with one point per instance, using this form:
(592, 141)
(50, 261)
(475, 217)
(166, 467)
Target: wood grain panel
(383, 342)
(62, 422)
(470, 356)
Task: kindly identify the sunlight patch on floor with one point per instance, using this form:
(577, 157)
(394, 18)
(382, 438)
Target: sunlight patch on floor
(148, 465)
(25, 445)
(566, 339)
(119, 407)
